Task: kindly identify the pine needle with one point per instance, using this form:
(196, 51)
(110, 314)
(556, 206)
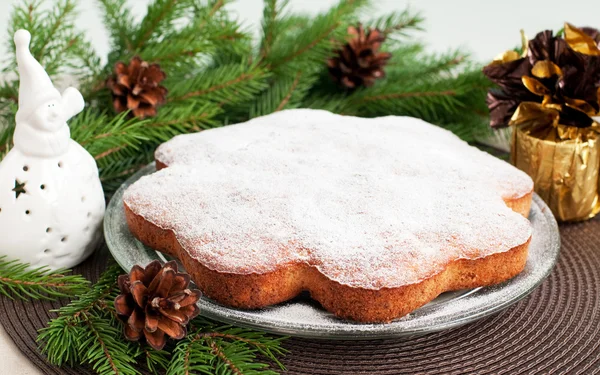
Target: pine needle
(18, 280)
(87, 330)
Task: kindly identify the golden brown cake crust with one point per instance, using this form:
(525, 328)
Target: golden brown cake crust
(251, 291)
(373, 217)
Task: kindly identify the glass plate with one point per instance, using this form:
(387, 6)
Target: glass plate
(305, 318)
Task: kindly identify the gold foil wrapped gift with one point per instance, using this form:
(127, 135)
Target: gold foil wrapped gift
(550, 94)
(563, 161)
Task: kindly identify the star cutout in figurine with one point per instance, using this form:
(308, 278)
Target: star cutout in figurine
(19, 188)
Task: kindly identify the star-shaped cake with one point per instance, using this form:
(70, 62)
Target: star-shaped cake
(373, 217)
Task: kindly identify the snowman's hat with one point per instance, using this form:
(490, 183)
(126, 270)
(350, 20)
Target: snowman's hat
(35, 87)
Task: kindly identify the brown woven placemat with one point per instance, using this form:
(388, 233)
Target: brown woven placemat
(555, 330)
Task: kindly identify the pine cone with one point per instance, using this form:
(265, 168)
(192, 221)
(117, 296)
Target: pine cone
(136, 87)
(155, 302)
(359, 62)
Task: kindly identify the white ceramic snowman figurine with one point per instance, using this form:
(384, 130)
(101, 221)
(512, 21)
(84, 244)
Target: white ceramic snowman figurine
(51, 199)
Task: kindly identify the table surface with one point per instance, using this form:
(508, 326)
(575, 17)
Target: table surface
(13, 361)
(554, 330)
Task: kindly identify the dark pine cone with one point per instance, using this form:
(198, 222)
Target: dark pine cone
(359, 62)
(156, 302)
(136, 87)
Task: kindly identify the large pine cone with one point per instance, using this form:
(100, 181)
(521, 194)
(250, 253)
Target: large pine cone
(136, 87)
(157, 303)
(359, 62)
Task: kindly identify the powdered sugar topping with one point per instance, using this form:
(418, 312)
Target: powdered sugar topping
(371, 203)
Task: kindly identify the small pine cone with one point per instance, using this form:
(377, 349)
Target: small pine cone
(136, 87)
(359, 62)
(155, 302)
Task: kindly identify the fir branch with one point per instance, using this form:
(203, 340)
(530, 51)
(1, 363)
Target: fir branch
(9, 91)
(118, 20)
(419, 66)
(26, 16)
(72, 326)
(289, 93)
(104, 348)
(401, 95)
(268, 347)
(157, 361)
(398, 23)
(206, 12)
(232, 83)
(223, 350)
(316, 41)
(272, 13)
(20, 281)
(88, 330)
(55, 43)
(114, 173)
(102, 135)
(160, 16)
(49, 35)
(283, 93)
(220, 353)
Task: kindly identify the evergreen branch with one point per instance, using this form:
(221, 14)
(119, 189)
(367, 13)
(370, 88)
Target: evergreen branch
(272, 11)
(203, 15)
(397, 24)
(308, 46)
(55, 43)
(9, 91)
(283, 93)
(182, 118)
(316, 41)
(220, 353)
(87, 330)
(64, 10)
(231, 83)
(114, 173)
(150, 23)
(62, 339)
(117, 18)
(108, 356)
(156, 360)
(160, 16)
(270, 348)
(399, 95)
(102, 135)
(110, 151)
(289, 94)
(104, 346)
(428, 66)
(223, 350)
(243, 77)
(25, 17)
(124, 167)
(20, 281)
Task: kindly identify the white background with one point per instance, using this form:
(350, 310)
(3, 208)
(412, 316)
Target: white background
(483, 27)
